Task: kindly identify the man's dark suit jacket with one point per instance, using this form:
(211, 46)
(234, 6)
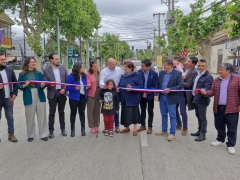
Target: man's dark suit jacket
(48, 75)
(175, 83)
(13, 87)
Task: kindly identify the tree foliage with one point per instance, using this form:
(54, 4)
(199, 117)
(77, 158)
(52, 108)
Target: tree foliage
(111, 46)
(76, 18)
(144, 54)
(234, 14)
(195, 31)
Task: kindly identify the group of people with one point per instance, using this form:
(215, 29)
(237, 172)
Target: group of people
(182, 86)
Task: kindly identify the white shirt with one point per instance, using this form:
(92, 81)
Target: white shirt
(196, 80)
(81, 87)
(107, 73)
(5, 80)
(57, 77)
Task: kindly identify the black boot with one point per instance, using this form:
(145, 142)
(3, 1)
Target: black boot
(51, 135)
(83, 130)
(64, 133)
(72, 132)
(196, 133)
(201, 137)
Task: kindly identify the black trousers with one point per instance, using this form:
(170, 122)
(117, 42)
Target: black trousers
(60, 101)
(149, 105)
(221, 121)
(201, 111)
(80, 106)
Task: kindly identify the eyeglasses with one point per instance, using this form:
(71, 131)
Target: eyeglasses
(32, 63)
(3, 59)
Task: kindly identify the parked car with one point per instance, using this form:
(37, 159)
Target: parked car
(15, 66)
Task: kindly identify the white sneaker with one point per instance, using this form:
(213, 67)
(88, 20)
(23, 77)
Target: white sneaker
(216, 143)
(231, 150)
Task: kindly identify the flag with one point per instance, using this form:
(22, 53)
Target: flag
(1, 36)
(22, 55)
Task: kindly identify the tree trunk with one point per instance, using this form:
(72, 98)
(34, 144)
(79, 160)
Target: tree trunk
(206, 52)
(38, 61)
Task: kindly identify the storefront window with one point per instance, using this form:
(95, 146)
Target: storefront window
(7, 30)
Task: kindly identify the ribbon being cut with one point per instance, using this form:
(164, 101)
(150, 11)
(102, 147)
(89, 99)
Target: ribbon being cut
(126, 88)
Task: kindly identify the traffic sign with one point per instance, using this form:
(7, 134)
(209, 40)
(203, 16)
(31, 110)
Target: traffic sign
(184, 53)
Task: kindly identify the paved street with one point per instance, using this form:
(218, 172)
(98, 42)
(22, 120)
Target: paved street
(123, 157)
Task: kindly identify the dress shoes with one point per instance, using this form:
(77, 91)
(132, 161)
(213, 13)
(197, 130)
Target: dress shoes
(51, 135)
(83, 132)
(45, 139)
(30, 139)
(64, 133)
(72, 133)
(201, 137)
(196, 133)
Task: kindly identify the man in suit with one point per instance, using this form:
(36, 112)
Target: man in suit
(150, 78)
(169, 79)
(185, 98)
(8, 93)
(56, 94)
(202, 81)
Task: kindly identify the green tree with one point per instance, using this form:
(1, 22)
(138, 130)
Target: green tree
(38, 16)
(144, 54)
(195, 31)
(234, 14)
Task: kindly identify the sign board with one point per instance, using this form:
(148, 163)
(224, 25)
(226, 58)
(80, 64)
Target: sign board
(70, 51)
(233, 44)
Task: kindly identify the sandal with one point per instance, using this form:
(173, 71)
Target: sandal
(117, 130)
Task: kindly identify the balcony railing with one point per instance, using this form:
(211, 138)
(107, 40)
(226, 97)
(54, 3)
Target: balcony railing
(7, 41)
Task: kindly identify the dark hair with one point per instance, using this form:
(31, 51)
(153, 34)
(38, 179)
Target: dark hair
(147, 62)
(227, 67)
(90, 68)
(181, 58)
(202, 61)
(130, 65)
(195, 59)
(126, 61)
(76, 70)
(112, 81)
(25, 65)
(51, 55)
(2, 53)
(168, 61)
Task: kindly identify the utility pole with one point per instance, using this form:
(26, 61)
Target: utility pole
(87, 55)
(80, 48)
(58, 32)
(154, 42)
(170, 4)
(24, 45)
(159, 15)
(147, 43)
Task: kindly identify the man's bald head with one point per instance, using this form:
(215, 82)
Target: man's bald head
(111, 63)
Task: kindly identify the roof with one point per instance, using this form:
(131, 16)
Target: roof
(6, 19)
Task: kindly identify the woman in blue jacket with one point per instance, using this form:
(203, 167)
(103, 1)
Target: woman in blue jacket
(34, 100)
(77, 96)
(130, 100)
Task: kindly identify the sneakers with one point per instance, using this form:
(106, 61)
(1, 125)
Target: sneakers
(142, 128)
(12, 138)
(106, 132)
(161, 133)
(179, 127)
(184, 132)
(93, 130)
(110, 133)
(171, 137)
(216, 143)
(231, 150)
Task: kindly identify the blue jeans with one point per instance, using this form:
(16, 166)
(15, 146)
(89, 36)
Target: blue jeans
(116, 119)
(183, 111)
(8, 108)
(166, 108)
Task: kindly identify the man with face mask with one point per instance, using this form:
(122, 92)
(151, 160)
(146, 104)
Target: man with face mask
(56, 94)
(8, 93)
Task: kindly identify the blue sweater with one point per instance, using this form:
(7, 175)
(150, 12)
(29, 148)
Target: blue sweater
(73, 93)
(130, 97)
(151, 82)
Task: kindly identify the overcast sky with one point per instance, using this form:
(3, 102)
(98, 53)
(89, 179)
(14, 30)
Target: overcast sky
(132, 19)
